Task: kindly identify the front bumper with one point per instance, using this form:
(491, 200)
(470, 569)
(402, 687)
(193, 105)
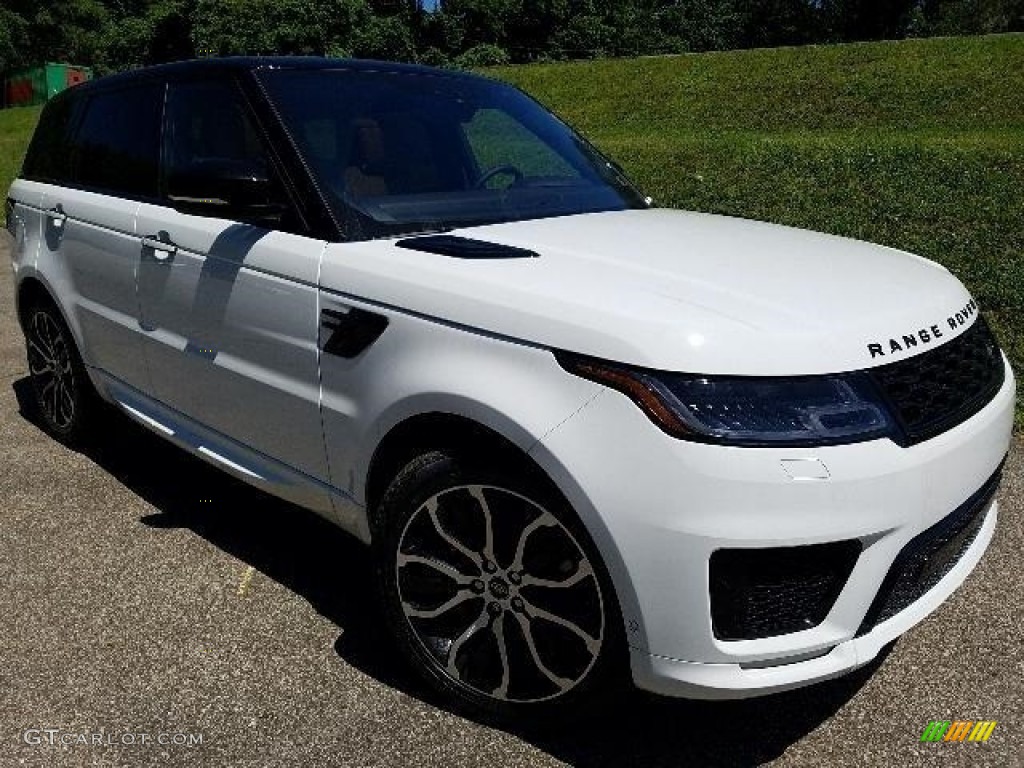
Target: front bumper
(658, 508)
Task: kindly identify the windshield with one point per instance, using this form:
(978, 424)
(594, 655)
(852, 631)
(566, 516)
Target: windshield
(399, 153)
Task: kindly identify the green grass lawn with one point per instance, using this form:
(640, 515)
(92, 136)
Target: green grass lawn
(916, 144)
(16, 127)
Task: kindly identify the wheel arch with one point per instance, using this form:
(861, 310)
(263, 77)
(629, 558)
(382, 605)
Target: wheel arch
(434, 430)
(417, 434)
(33, 287)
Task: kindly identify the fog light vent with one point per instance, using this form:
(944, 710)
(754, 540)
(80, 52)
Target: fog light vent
(764, 592)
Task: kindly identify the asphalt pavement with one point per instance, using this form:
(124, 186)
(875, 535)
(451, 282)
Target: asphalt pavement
(167, 615)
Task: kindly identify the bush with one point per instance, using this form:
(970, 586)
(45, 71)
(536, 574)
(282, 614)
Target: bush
(484, 55)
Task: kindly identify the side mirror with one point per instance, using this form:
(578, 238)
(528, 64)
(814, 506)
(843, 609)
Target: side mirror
(227, 189)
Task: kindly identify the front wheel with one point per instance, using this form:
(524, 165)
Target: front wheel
(493, 589)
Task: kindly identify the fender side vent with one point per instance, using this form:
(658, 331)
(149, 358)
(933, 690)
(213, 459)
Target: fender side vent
(352, 332)
(464, 248)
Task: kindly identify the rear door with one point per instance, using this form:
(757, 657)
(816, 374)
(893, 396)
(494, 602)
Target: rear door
(48, 161)
(229, 308)
(24, 216)
(89, 248)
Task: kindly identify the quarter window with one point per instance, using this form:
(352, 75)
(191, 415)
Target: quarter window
(49, 155)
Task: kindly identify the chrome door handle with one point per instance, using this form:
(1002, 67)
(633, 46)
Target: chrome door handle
(162, 250)
(57, 216)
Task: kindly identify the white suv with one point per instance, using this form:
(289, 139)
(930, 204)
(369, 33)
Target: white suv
(581, 435)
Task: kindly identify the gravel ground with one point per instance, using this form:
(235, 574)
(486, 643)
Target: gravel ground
(147, 596)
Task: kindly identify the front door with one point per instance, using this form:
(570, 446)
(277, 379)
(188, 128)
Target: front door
(229, 309)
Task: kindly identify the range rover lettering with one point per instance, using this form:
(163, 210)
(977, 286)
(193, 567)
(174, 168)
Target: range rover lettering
(582, 435)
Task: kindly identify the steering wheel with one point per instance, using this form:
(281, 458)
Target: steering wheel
(497, 170)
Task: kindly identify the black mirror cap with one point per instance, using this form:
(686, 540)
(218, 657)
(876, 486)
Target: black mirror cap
(222, 188)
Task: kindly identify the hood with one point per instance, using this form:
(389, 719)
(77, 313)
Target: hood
(674, 290)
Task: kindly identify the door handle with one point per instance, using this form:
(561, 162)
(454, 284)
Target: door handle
(162, 249)
(57, 216)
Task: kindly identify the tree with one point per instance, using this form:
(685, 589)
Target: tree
(117, 34)
(767, 23)
(585, 36)
(483, 55)
(154, 35)
(13, 40)
(71, 31)
(700, 25)
(254, 27)
(387, 38)
(957, 17)
(483, 21)
(868, 19)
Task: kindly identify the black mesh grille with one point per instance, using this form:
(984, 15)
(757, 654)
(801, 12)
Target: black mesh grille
(936, 390)
(764, 592)
(929, 556)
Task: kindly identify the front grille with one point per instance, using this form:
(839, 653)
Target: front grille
(936, 390)
(765, 592)
(929, 556)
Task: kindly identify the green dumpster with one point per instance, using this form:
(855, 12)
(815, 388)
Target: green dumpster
(39, 84)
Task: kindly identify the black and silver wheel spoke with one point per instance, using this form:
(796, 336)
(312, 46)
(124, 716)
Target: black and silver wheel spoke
(533, 612)
(450, 571)
(471, 558)
(433, 613)
(66, 405)
(455, 543)
(544, 520)
(40, 359)
(583, 571)
(57, 397)
(48, 396)
(453, 652)
(501, 691)
(488, 548)
(525, 625)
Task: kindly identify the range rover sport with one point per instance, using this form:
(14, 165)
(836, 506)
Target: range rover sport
(581, 434)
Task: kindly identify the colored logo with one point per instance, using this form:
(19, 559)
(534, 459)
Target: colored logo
(958, 730)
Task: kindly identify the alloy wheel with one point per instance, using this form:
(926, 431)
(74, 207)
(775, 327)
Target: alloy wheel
(500, 593)
(49, 361)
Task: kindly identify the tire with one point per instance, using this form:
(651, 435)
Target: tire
(494, 591)
(64, 398)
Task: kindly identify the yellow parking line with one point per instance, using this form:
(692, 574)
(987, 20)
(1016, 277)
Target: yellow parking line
(243, 585)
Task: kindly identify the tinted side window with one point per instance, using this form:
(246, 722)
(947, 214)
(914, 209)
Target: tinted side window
(117, 144)
(208, 125)
(210, 135)
(49, 154)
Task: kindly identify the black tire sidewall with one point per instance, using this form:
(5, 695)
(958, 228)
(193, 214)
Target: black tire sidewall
(436, 471)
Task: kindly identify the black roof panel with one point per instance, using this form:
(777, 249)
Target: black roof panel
(252, 63)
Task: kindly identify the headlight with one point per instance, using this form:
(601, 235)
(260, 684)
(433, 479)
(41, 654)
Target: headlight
(748, 410)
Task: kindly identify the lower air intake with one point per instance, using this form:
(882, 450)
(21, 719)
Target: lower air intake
(764, 592)
(929, 556)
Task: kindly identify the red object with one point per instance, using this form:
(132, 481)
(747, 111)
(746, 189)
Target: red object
(20, 91)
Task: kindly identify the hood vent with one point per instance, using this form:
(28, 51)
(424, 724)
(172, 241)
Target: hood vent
(464, 248)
